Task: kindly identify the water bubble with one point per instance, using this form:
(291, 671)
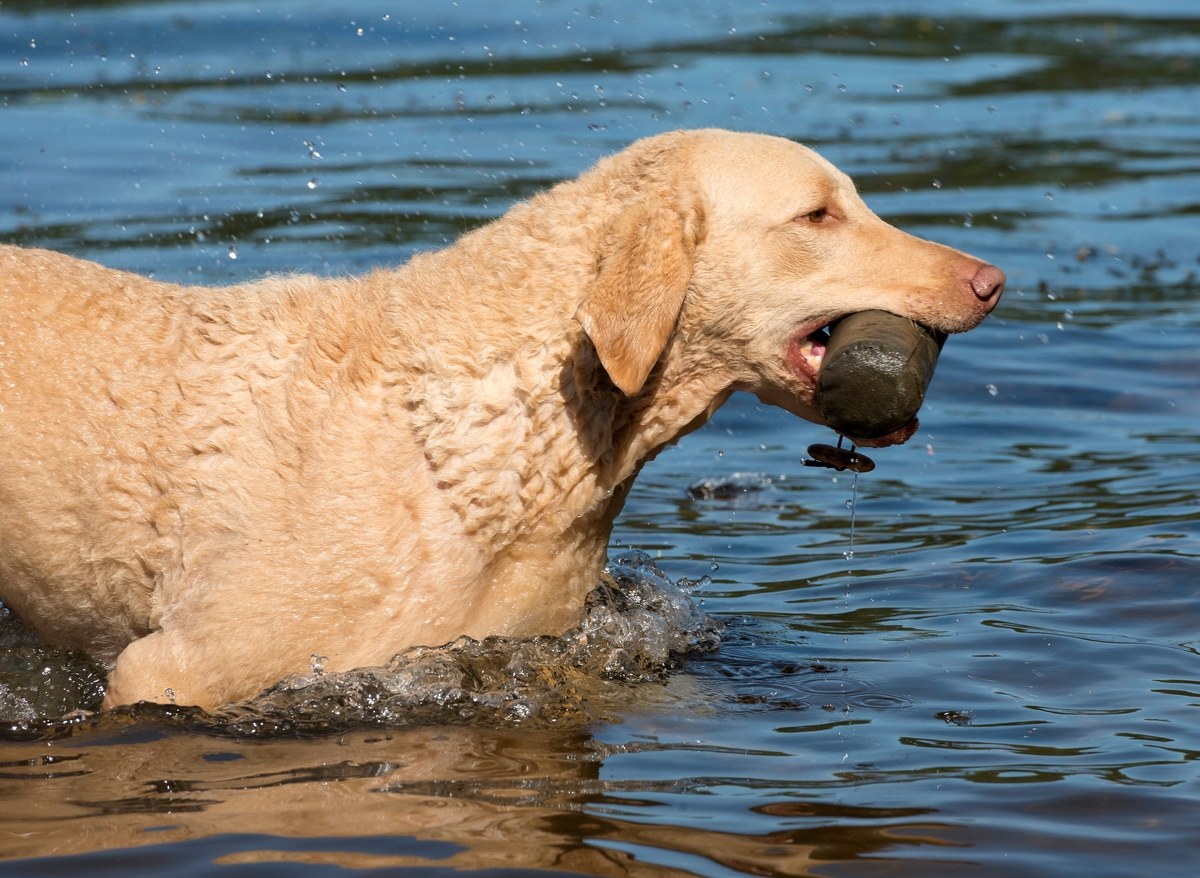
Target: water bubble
(992, 390)
(314, 183)
(714, 566)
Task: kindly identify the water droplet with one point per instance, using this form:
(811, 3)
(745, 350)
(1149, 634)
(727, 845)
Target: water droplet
(807, 88)
(32, 44)
(170, 693)
(714, 566)
(314, 183)
(1050, 196)
(898, 87)
(992, 390)
(849, 504)
(991, 109)
(929, 450)
(24, 62)
(849, 553)
(720, 454)
(937, 184)
(233, 254)
(841, 88)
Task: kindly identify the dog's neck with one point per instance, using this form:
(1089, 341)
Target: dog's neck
(523, 432)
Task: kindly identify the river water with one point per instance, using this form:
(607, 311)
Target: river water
(1001, 680)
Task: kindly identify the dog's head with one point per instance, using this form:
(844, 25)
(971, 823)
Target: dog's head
(733, 252)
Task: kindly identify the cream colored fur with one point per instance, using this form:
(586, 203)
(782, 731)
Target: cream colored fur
(203, 487)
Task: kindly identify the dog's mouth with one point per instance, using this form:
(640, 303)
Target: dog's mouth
(806, 352)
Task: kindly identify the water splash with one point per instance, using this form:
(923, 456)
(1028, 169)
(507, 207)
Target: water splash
(637, 626)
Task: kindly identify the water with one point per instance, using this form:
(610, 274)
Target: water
(1011, 687)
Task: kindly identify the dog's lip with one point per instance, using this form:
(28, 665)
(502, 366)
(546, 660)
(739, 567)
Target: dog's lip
(806, 350)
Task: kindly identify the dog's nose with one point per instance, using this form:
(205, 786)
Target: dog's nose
(988, 284)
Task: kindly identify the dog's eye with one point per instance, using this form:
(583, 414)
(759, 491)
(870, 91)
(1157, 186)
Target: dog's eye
(817, 216)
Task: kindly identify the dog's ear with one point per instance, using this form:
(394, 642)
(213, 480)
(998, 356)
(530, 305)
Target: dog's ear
(633, 304)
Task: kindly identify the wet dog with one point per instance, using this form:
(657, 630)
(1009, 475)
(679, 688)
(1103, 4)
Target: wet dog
(203, 487)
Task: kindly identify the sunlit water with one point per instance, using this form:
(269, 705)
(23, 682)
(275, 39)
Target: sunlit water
(1002, 680)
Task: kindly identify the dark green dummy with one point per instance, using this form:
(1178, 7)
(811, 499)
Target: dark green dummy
(874, 373)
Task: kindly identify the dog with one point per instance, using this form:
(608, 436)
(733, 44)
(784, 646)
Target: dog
(204, 487)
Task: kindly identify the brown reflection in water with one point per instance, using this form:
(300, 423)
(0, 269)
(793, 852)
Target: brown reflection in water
(511, 798)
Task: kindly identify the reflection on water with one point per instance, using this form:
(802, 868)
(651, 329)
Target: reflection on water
(1005, 684)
